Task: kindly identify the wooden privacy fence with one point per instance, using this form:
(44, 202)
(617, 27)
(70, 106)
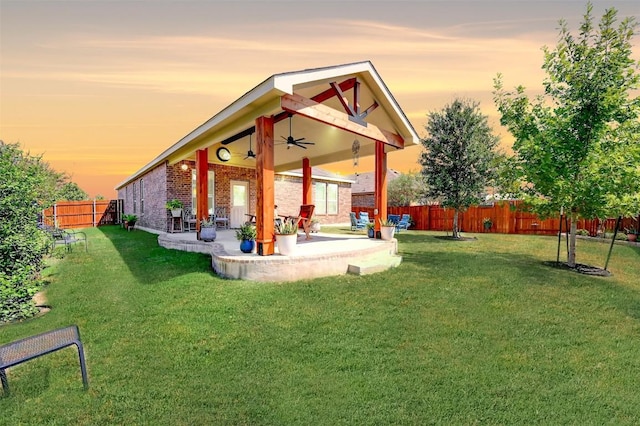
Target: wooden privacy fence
(505, 218)
(83, 214)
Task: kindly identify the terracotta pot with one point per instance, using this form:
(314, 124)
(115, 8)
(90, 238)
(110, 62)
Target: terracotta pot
(632, 237)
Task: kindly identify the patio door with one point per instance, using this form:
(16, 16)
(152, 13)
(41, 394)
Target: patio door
(239, 203)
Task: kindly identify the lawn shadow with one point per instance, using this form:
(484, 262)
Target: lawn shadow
(149, 262)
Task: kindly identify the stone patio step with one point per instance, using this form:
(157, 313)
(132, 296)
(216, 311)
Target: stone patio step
(374, 265)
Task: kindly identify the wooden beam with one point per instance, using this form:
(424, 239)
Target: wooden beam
(320, 97)
(202, 187)
(330, 93)
(300, 105)
(265, 186)
(368, 111)
(380, 203)
(343, 100)
(306, 182)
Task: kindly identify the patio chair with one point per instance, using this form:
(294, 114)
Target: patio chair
(355, 223)
(364, 218)
(404, 223)
(222, 219)
(395, 218)
(189, 220)
(304, 218)
(65, 237)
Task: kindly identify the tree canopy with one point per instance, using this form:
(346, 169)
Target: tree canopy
(577, 147)
(459, 156)
(70, 191)
(405, 189)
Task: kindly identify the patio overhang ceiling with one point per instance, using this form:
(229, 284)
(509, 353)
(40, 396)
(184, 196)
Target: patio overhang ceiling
(331, 107)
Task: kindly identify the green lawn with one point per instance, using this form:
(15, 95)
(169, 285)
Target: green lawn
(461, 333)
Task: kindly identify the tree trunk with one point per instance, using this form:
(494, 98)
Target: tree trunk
(571, 261)
(455, 224)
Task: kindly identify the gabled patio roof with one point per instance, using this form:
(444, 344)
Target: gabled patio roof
(315, 100)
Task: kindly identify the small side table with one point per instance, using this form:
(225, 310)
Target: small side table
(172, 226)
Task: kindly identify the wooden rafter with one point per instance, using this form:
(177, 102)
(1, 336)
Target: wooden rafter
(296, 104)
(337, 89)
(353, 110)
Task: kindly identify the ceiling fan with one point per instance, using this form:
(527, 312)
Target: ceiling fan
(290, 141)
(250, 153)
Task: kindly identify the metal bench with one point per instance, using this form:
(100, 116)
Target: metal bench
(65, 237)
(31, 347)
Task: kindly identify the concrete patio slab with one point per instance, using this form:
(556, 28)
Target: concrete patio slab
(324, 255)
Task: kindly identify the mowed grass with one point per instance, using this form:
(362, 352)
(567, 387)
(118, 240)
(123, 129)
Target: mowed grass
(475, 332)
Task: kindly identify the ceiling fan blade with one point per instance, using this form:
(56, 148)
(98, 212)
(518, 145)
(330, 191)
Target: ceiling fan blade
(299, 145)
(298, 140)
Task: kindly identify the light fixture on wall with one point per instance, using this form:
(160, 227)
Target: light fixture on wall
(223, 154)
(184, 167)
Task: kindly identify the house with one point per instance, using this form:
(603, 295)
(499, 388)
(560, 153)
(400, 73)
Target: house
(293, 120)
(363, 188)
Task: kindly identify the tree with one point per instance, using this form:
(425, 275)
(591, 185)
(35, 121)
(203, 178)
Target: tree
(70, 191)
(405, 189)
(26, 185)
(459, 155)
(577, 146)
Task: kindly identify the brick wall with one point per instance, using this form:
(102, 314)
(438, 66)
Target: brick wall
(154, 190)
(167, 182)
(365, 199)
(288, 197)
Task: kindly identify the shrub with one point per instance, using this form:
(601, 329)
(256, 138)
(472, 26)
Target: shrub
(26, 185)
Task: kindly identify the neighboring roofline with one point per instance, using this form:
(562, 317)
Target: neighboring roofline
(276, 85)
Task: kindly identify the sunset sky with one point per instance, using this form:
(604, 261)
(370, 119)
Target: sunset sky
(100, 88)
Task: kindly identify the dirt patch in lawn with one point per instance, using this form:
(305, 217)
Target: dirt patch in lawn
(580, 268)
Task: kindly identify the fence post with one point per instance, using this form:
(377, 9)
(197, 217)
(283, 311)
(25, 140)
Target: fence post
(93, 215)
(55, 215)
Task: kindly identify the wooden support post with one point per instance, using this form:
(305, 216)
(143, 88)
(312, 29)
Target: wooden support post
(202, 190)
(380, 186)
(265, 186)
(306, 182)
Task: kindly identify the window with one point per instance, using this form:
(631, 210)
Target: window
(141, 196)
(133, 197)
(326, 198)
(210, 190)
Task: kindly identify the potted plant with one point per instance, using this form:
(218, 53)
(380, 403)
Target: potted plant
(207, 230)
(387, 229)
(632, 234)
(246, 234)
(175, 206)
(371, 232)
(129, 221)
(487, 223)
(287, 236)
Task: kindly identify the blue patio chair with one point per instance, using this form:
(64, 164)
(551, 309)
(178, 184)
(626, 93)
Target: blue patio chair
(355, 224)
(363, 218)
(404, 222)
(395, 218)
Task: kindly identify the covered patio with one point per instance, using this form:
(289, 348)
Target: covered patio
(292, 120)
